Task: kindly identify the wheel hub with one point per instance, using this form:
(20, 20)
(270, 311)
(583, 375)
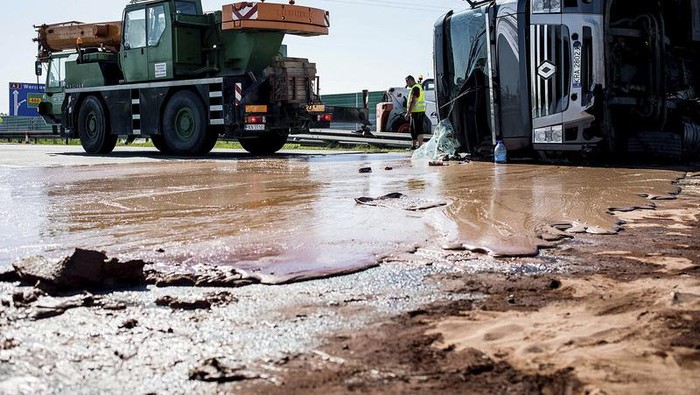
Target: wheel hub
(185, 124)
(91, 125)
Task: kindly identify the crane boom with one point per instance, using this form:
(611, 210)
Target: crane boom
(64, 36)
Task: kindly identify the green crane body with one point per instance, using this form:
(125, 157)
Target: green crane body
(229, 61)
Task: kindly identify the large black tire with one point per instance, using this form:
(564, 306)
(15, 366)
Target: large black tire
(266, 144)
(92, 128)
(212, 138)
(400, 125)
(185, 124)
(159, 143)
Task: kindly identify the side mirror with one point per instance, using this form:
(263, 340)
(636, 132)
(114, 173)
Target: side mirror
(38, 68)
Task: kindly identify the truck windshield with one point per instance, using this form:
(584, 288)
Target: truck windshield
(467, 62)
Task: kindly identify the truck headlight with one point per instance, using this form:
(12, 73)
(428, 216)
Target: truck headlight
(550, 134)
(546, 6)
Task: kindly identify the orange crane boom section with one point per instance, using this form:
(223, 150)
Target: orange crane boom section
(64, 36)
(291, 19)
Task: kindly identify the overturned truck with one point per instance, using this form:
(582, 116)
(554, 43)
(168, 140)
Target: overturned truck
(570, 77)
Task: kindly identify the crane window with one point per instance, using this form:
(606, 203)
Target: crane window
(156, 24)
(185, 8)
(135, 29)
(57, 73)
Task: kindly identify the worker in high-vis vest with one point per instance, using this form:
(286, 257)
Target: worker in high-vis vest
(416, 111)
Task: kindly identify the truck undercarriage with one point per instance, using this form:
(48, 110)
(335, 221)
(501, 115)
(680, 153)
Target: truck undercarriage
(653, 67)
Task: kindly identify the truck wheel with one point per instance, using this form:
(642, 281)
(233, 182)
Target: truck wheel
(266, 144)
(400, 126)
(212, 138)
(185, 124)
(92, 128)
(159, 143)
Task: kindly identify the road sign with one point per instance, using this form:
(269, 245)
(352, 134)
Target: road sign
(25, 99)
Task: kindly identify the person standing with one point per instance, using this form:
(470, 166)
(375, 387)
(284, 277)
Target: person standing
(415, 111)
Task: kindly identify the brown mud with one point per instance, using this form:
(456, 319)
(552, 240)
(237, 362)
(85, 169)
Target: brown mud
(622, 319)
(292, 219)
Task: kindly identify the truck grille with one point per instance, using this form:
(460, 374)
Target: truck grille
(550, 65)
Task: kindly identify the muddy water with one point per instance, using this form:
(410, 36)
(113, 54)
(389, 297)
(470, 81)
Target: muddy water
(509, 210)
(290, 217)
(284, 217)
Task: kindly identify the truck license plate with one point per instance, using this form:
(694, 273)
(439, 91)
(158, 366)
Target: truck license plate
(316, 108)
(576, 77)
(254, 127)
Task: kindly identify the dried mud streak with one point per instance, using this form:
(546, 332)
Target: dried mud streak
(408, 354)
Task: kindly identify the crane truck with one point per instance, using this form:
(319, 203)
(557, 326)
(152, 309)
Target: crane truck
(182, 77)
(565, 77)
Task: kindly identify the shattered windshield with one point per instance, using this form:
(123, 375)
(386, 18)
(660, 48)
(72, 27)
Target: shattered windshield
(467, 62)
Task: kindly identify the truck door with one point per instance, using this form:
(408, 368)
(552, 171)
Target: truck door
(134, 55)
(160, 52)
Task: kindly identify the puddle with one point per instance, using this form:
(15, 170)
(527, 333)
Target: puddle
(511, 210)
(298, 218)
(284, 217)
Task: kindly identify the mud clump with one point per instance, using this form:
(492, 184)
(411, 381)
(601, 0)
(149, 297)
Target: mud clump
(400, 201)
(8, 344)
(180, 304)
(129, 324)
(205, 303)
(84, 270)
(211, 277)
(216, 371)
(9, 275)
(26, 298)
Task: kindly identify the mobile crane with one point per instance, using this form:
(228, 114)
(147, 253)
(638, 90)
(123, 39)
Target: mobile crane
(182, 77)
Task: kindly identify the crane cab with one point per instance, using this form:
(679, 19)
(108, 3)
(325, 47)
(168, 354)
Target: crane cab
(161, 40)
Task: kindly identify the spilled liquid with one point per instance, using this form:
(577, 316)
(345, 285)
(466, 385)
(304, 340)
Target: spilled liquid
(513, 210)
(291, 217)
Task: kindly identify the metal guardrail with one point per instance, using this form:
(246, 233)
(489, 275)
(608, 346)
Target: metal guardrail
(315, 136)
(23, 124)
(395, 140)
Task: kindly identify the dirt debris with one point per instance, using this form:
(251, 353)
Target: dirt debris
(401, 201)
(204, 303)
(84, 270)
(215, 370)
(224, 277)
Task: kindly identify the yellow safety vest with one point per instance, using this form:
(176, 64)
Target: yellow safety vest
(420, 102)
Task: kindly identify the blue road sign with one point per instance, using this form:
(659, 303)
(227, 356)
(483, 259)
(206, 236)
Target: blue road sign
(25, 99)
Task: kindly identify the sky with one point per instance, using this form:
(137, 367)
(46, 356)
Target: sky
(373, 44)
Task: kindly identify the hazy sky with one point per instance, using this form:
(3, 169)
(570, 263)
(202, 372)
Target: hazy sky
(373, 44)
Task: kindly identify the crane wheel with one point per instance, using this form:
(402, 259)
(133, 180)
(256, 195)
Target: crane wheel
(159, 143)
(212, 138)
(92, 128)
(265, 144)
(185, 124)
